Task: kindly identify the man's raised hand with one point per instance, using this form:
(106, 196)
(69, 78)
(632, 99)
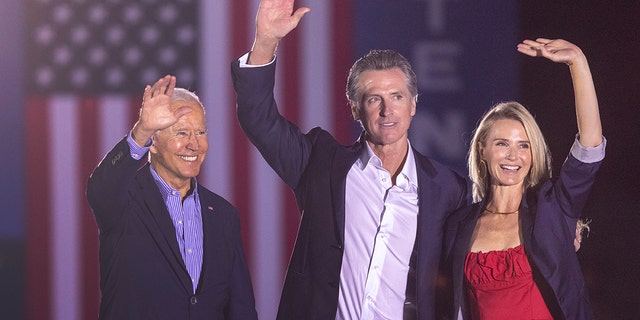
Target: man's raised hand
(156, 112)
(275, 19)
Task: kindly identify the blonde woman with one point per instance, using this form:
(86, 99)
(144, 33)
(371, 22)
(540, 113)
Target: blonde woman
(514, 253)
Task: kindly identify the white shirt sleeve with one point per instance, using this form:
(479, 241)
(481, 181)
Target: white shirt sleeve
(245, 57)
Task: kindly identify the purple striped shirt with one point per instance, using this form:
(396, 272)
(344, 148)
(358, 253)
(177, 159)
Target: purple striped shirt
(186, 217)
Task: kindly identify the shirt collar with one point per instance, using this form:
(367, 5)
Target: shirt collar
(408, 171)
(166, 189)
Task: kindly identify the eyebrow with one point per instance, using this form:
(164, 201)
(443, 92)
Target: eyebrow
(391, 93)
(177, 129)
(504, 139)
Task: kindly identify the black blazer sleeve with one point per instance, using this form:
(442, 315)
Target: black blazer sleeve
(280, 142)
(107, 185)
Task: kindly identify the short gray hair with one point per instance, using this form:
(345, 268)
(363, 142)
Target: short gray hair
(379, 60)
(182, 94)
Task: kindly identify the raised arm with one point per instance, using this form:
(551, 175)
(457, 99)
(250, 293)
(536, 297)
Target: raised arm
(155, 113)
(587, 113)
(275, 19)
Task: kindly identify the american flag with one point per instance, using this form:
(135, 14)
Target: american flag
(88, 62)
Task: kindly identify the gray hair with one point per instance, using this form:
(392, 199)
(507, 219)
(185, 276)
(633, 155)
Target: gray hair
(182, 94)
(379, 60)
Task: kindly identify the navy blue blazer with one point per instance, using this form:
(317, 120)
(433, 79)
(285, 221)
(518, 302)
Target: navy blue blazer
(142, 273)
(315, 166)
(548, 217)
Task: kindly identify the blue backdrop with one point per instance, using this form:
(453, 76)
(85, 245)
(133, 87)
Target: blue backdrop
(463, 53)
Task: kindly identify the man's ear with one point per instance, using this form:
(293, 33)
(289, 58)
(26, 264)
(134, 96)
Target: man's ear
(355, 111)
(152, 147)
(414, 106)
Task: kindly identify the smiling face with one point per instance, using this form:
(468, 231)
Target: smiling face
(178, 151)
(385, 108)
(507, 151)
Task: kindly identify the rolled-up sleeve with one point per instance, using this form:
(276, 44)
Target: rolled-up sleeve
(588, 154)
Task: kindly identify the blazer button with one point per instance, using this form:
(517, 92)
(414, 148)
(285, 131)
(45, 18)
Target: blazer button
(194, 300)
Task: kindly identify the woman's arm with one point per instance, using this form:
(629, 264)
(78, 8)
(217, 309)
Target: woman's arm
(587, 113)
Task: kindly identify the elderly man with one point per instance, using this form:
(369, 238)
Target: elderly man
(169, 247)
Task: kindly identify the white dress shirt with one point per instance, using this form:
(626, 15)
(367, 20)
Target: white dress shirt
(380, 231)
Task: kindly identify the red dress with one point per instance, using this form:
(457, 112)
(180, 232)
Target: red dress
(500, 285)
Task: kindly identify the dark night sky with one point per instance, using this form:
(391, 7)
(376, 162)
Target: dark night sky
(609, 34)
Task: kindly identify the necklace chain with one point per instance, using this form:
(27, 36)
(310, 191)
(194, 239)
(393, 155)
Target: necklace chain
(496, 212)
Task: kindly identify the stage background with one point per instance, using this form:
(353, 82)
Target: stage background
(72, 73)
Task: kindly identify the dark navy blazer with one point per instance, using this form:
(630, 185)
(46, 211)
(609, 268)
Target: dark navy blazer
(315, 167)
(548, 217)
(142, 273)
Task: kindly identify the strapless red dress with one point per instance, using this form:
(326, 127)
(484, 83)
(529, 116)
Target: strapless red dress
(500, 285)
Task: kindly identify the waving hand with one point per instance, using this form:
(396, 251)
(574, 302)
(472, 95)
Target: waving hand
(156, 113)
(586, 101)
(275, 19)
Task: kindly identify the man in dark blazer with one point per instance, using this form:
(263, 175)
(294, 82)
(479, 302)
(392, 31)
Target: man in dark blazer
(370, 238)
(169, 248)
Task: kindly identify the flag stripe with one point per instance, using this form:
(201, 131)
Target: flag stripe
(64, 207)
(241, 169)
(215, 93)
(266, 219)
(38, 218)
(315, 70)
(341, 37)
(114, 120)
(88, 129)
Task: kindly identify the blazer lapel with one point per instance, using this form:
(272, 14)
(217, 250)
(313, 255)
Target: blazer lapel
(426, 182)
(160, 225)
(527, 216)
(428, 194)
(341, 165)
(466, 227)
(212, 234)
(460, 250)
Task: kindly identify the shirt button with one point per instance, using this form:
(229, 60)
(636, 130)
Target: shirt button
(189, 250)
(193, 300)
